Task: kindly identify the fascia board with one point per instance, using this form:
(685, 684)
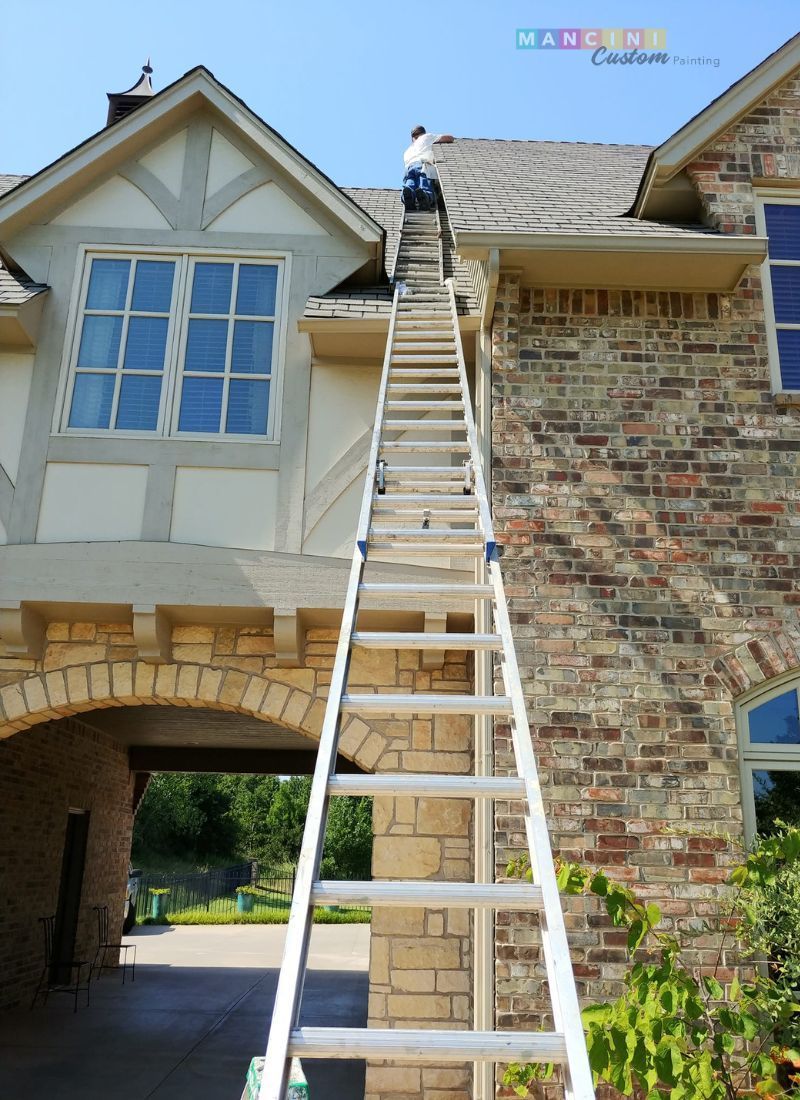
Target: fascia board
(197, 86)
(475, 241)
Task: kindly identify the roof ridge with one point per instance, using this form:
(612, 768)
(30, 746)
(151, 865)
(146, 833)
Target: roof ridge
(556, 141)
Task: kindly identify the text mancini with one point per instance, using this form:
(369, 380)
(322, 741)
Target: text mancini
(577, 38)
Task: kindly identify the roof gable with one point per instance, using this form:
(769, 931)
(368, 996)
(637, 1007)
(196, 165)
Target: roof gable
(67, 179)
(669, 158)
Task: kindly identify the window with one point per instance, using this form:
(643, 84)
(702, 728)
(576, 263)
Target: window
(781, 277)
(770, 758)
(179, 346)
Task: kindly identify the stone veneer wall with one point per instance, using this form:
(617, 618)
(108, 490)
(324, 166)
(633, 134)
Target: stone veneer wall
(420, 966)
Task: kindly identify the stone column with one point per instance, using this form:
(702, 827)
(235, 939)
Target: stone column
(421, 959)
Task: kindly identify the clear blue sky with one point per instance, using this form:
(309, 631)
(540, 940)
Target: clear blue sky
(345, 81)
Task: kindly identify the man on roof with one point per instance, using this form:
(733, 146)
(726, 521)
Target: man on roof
(418, 186)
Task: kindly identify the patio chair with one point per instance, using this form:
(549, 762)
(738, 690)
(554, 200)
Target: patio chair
(54, 978)
(103, 946)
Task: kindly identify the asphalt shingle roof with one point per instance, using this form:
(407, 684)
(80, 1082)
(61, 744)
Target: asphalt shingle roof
(497, 186)
(7, 182)
(15, 286)
(365, 303)
(384, 206)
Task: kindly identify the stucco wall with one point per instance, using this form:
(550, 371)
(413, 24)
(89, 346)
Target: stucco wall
(201, 187)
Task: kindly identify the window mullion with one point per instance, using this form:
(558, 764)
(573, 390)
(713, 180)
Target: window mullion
(172, 408)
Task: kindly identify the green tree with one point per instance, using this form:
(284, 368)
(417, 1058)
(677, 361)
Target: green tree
(252, 797)
(205, 817)
(348, 840)
(185, 815)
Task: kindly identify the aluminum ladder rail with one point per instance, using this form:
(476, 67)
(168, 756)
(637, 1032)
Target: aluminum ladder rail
(458, 496)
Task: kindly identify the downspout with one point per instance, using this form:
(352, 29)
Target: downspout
(483, 938)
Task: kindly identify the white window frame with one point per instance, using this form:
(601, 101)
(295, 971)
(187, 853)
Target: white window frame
(231, 317)
(774, 197)
(185, 259)
(762, 757)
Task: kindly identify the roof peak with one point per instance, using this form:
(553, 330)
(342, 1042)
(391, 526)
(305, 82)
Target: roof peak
(122, 103)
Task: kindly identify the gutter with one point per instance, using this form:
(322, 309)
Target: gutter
(492, 279)
(700, 243)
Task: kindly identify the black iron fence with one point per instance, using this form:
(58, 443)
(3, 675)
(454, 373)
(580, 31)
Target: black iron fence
(214, 890)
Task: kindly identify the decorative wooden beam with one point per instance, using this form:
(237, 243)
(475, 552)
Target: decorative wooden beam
(158, 758)
(22, 630)
(152, 632)
(290, 638)
(434, 624)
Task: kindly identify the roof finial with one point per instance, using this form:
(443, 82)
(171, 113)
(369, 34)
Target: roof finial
(122, 103)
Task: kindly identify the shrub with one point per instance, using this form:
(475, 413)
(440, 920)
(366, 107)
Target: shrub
(254, 890)
(675, 1032)
(159, 890)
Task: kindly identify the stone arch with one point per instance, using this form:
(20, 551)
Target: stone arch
(285, 697)
(760, 659)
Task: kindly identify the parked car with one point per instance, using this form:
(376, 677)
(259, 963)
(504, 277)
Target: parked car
(131, 898)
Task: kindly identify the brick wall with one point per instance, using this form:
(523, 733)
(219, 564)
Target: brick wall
(645, 490)
(43, 773)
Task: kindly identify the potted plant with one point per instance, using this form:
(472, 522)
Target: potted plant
(245, 898)
(159, 901)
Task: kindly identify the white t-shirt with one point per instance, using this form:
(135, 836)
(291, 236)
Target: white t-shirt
(421, 151)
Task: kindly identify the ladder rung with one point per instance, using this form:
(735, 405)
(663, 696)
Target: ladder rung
(390, 639)
(428, 314)
(414, 515)
(418, 425)
(425, 446)
(420, 343)
(425, 406)
(428, 534)
(429, 358)
(424, 387)
(426, 704)
(427, 591)
(444, 474)
(467, 503)
(427, 1046)
(431, 895)
(422, 488)
(452, 550)
(428, 786)
(419, 374)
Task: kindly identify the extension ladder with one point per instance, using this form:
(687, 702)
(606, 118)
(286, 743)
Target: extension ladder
(410, 510)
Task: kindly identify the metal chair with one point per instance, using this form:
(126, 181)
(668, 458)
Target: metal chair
(51, 979)
(103, 946)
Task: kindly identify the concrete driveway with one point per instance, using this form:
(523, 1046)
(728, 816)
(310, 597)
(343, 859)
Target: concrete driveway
(187, 1028)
